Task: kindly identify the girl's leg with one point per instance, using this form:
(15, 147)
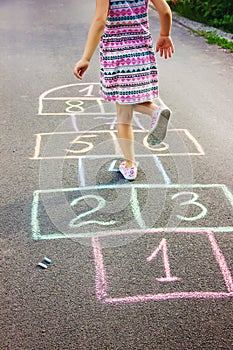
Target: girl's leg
(125, 133)
(146, 108)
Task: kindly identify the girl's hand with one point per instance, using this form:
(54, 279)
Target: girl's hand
(80, 68)
(165, 46)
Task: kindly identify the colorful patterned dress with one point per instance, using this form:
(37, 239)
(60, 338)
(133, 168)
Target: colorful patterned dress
(128, 70)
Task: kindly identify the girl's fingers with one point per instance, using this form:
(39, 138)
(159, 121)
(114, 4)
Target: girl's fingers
(161, 52)
(165, 51)
(169, 52)
(172, 48)
(78, 74)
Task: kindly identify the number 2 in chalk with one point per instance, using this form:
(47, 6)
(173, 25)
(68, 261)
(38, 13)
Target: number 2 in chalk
(75, 223)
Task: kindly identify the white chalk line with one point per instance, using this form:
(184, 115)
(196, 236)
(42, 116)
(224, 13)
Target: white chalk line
(162, 170)
(50, 236)
(114, 155)
(81, 172)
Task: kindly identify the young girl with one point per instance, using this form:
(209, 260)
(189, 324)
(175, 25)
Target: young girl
(128, 68)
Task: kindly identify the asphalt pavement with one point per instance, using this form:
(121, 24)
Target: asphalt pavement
(134, 265)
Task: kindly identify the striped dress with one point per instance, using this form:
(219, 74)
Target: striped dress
(128, 70)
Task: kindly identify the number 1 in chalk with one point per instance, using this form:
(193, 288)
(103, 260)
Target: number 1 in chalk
(163, 247)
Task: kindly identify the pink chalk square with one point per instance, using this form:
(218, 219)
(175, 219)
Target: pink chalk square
(160, 265)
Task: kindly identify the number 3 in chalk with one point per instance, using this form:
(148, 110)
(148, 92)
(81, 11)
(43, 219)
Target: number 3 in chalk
(100, 204)
(192, 201)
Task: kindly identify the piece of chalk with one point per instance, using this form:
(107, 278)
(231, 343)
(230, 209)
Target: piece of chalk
(47, 260)
(42, 266)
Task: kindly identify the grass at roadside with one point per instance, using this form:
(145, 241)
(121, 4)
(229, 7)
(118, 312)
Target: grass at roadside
(214, 39)
(213, 13)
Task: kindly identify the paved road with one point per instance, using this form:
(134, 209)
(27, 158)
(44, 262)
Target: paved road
(143, 265)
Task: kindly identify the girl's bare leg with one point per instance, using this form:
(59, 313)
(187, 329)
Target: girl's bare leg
(125, 132)
(146, 108)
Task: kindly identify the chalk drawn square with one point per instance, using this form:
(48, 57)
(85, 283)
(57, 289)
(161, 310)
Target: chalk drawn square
(106, 172)
(87, 211)
(104, 143)
(71, 99)
(127, 275)
(73, 145)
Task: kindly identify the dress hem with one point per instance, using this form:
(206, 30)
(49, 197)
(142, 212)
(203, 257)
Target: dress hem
(129, 103)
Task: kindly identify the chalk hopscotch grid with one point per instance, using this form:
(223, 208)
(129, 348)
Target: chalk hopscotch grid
(102, 279)
(43, 98)
(35, 225)
(200, 151)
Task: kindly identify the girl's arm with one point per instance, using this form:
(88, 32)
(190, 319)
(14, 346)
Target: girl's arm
(93, 38)
(164, 43)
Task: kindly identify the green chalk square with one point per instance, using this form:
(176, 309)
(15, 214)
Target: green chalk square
(216, 195)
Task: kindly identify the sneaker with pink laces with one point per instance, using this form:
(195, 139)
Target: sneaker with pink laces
(128, 173)
(159, 125)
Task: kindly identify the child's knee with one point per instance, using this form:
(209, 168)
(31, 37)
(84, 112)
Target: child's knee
(124, 114)
(124, 119)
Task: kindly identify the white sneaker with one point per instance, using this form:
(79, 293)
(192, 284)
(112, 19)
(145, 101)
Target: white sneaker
(159, 124)
(128, 173)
